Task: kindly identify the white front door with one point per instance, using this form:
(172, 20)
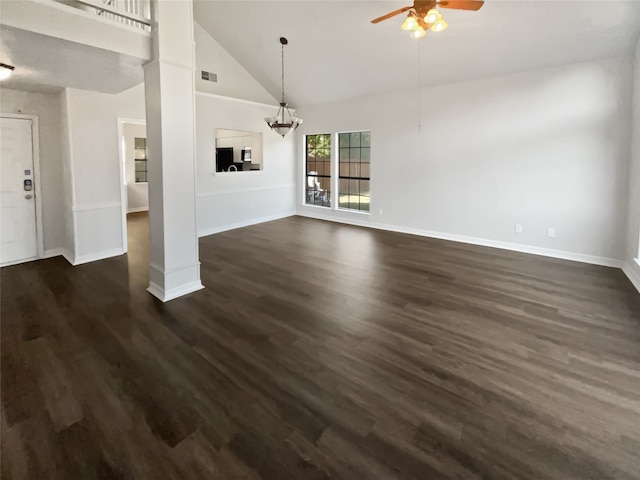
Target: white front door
(18, 240)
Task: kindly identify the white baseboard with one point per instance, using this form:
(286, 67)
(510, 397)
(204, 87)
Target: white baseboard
(97, 256)
(166, 295)
(137, 209)
(245, 223)
(515, 247)
(69, 257)
(51, 253)
(54, 252)
(60, 252)
(632, 270)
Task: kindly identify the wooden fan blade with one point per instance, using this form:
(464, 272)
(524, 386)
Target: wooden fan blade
(392, 14)
(461, 4)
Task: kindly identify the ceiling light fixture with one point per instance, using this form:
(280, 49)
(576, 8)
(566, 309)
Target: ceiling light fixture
(411, 22)
(5, 71)
(278, 123)
(419, 32)
(439, 26)
(432, 16)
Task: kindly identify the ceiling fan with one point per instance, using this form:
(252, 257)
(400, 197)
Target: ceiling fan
(424, 15)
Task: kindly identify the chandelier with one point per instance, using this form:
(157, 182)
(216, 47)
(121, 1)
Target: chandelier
(284, 121)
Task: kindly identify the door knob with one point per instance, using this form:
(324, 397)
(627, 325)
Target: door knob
(28, 196)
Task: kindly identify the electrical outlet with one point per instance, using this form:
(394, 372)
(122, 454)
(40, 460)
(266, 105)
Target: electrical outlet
(518, 228)
(251, 208)
(380, 212)
(551, 232)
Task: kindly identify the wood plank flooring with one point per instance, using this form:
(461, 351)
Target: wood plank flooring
(318, 351)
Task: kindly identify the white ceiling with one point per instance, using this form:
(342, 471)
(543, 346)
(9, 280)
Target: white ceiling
(46, 64)
(335, 52)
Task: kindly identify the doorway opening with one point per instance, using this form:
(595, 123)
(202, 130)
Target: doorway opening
(132, 135)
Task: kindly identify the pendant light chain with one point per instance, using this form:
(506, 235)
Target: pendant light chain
(282, 50)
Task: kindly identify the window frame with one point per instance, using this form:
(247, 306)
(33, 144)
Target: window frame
(337, 173)
(331, 176)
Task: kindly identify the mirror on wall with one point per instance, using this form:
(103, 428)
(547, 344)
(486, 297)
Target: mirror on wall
(238, 151)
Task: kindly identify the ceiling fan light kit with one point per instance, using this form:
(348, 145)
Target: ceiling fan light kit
(424, 15)
(410, 23)
(418, 32)
(432, 16)
(439, 26)
(6, 71)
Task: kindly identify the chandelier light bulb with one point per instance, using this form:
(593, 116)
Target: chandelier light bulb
(432, 16)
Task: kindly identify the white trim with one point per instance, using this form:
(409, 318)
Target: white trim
(137, 209)
(633, 273)
(54, 252)
(98, 18)
(72, 174)
(166, 295)
(351, 210)
(59, 252)
(179, 268)
(96, 206)
(19, 261)
(93, 257)
(239, 100)
(546, 252)
(116, 11)
(245, 190)
(37, 179)
(246, 223)
(69, 257)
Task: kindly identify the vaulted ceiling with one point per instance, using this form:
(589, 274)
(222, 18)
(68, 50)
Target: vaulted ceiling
(335, 52)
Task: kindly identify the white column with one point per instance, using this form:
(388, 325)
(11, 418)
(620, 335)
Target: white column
(170, 104)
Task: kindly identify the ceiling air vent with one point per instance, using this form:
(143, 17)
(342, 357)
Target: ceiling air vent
(209, 77)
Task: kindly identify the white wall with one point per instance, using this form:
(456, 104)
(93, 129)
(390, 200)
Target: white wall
(223, 201)
(47, 107)
(228, 200)
(233, 79)
(137, 193)
(93, 142)
(632, 267)
(542, 149)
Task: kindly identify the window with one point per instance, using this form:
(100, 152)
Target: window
(140, 145)
(354, 158)
(318, 171)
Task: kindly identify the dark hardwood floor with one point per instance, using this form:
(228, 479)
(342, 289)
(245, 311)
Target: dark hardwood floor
(320, 350)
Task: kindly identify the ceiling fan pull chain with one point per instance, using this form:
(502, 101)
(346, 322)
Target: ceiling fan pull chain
(419, 90)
